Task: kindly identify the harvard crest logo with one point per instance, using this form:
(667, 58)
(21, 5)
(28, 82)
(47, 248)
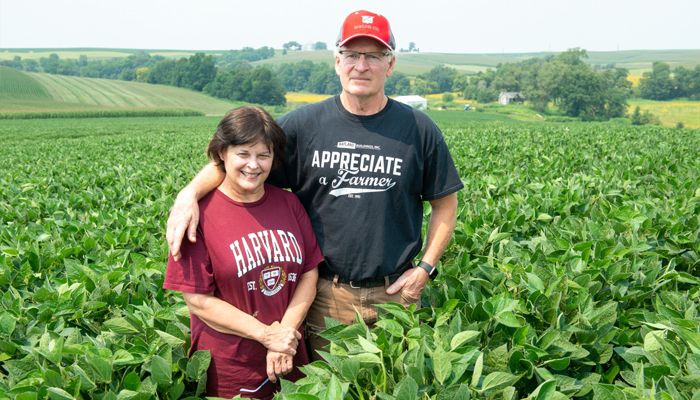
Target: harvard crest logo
(272, 280)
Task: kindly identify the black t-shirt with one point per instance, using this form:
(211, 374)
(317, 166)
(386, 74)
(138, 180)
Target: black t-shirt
(362, 180)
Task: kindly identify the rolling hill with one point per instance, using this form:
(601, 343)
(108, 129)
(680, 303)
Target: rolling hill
(26, 92)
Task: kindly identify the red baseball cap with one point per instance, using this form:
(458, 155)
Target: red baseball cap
(364, 23)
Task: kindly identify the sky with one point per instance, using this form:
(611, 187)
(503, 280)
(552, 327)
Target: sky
(473, 26)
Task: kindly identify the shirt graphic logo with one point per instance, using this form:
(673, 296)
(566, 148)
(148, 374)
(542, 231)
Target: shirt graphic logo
(357, 171)
(367, 19)
(272, 280)
(346, 145)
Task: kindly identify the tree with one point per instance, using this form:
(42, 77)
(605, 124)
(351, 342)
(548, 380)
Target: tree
(643, 118)
(397, 84)
(320, 46)
(579, 91)
(657, 84)
(31, 65)
(323, 80)
(442, 76)
(291, 46)
(686, 82)
(480, 87)
(142, 74)
(50, 65)
(424, 86)
(163, 72)
(265, 88)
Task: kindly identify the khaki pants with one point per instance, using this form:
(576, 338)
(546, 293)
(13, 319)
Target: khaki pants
(341, 302)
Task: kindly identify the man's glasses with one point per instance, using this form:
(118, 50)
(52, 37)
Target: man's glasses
(351, 57)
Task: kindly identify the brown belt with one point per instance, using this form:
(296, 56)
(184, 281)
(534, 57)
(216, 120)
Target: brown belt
(327, 274)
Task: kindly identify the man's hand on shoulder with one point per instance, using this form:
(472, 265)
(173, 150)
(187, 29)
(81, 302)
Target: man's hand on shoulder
(184, 217)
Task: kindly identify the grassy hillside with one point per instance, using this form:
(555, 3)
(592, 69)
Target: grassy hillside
(35, 92)
(15, 84)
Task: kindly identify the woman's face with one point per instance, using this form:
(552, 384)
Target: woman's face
(247, 168)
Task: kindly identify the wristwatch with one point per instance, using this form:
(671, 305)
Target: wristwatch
(432, 271)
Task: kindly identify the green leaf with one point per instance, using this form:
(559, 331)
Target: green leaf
(653, 340)
(126, 394)
(132, 381)
(8, 251)
(603, 391)
(442, 364)
(170, 339)
(497, 236)
(333, 390)
(520, 335)
(394, 328)
(545, 390)
(198, 364)
(7, 324)
(558, 364)
(534, 282)
(51, 347)
(463, 337)
(121, 326)
(161, 371)
(509, 319)
(407, 389)
(367, 358)
(123, 357)
(544, 217)
(498, 380)
(349, 368)
(59, 394)
(478, 368)
(368, 346)
(101, 366)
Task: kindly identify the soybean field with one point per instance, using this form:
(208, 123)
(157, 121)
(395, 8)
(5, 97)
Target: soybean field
(573, 272)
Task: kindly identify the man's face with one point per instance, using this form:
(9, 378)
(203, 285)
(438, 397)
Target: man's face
(363, 76)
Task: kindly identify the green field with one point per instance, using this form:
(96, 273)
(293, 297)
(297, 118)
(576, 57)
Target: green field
(27, 92)
(572, 273)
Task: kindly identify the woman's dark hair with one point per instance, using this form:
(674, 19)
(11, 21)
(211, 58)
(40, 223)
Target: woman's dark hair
(247, 125)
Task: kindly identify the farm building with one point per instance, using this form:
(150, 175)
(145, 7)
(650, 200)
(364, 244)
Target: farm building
(417, 102)
(506, 98)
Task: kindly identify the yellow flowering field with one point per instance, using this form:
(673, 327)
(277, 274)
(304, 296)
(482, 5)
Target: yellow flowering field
(300, 97)
(670, 112)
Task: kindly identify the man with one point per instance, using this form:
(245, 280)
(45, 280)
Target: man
(361, 164)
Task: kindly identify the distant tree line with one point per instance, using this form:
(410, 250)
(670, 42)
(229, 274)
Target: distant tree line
(664, 84)
(565, 80)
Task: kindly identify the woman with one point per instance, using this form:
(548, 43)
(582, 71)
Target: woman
(250, 277)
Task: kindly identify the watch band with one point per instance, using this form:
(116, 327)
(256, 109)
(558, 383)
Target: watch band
(432, 271)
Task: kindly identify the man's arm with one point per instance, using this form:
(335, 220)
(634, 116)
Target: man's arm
(443, 217)
(184, 216)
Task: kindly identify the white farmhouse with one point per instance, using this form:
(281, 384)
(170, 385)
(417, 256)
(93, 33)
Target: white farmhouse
(417, 102)
(506, 98)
